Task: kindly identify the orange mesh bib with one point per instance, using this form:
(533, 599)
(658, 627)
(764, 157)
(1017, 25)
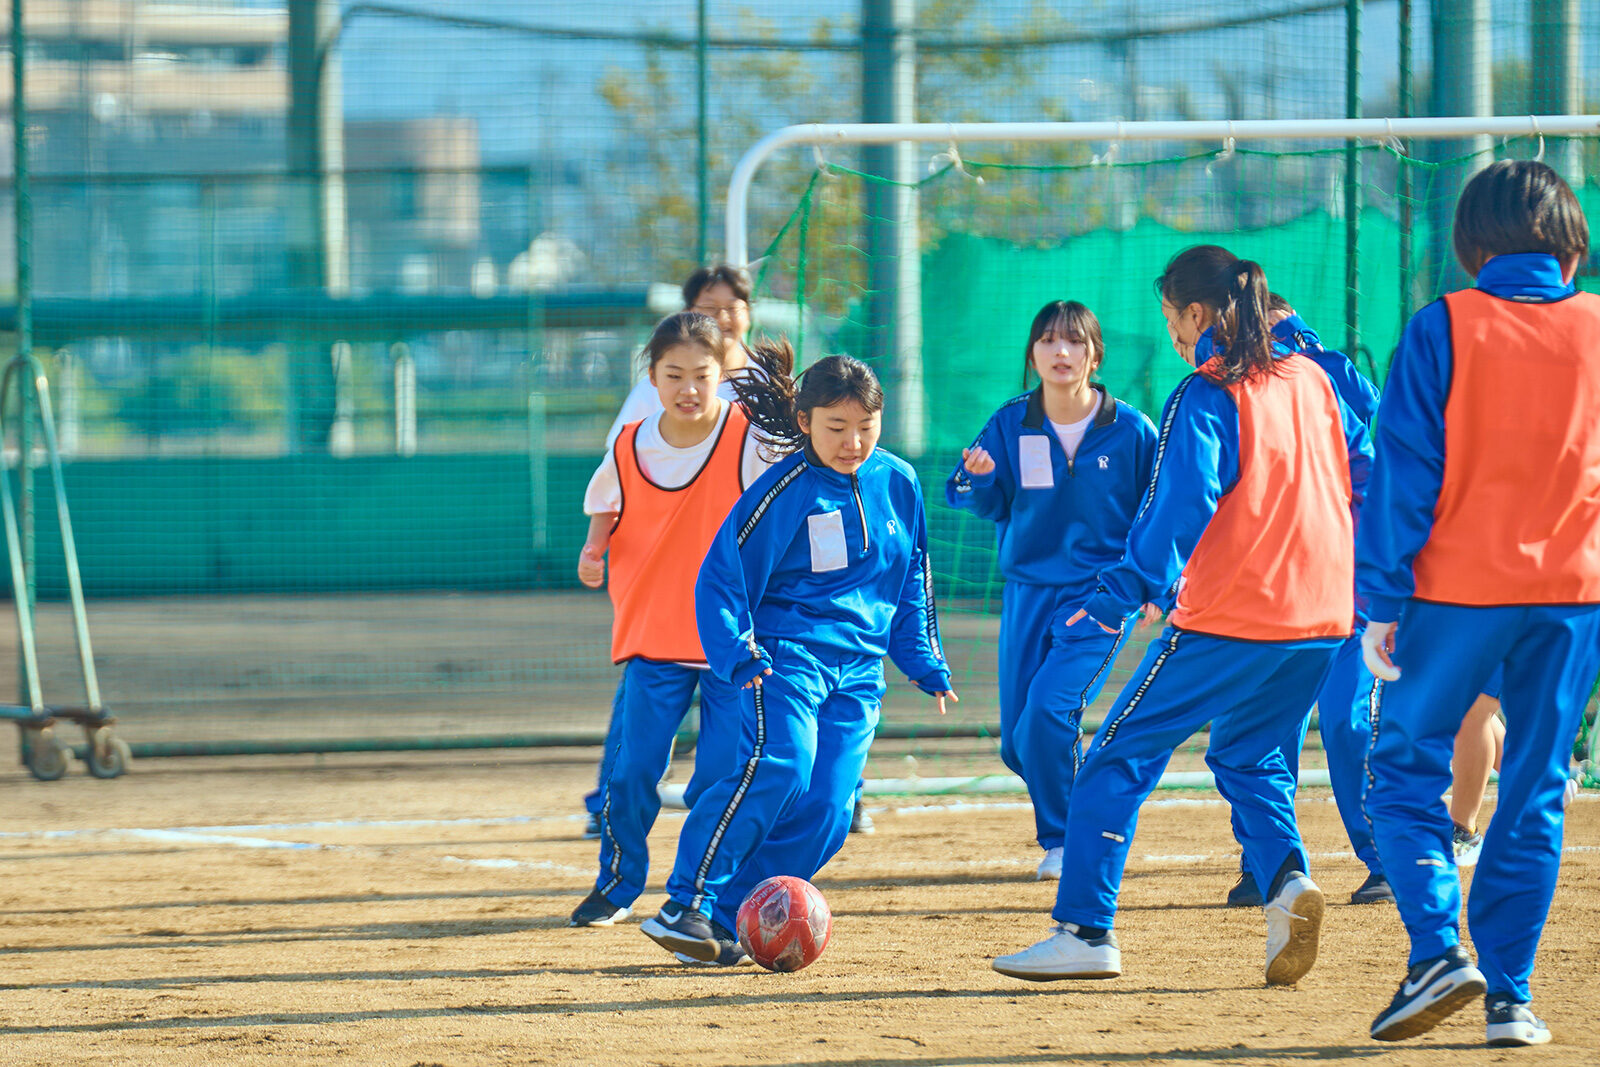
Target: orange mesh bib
(1277, 562)
(659, 541)
(1518, 517)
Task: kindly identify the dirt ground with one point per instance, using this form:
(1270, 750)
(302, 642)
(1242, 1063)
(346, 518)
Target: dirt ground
(410, 910)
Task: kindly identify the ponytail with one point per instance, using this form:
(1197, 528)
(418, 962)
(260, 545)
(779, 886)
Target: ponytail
(773, 400)
(1236, 293)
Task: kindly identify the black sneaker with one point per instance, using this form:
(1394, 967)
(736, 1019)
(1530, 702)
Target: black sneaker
(1432, 991)
(677, 929)
(596, 910)
(1511, 1023)
(1245, 893)
(861, 822)
(730, 953)
(1375, 890)
(591, 828)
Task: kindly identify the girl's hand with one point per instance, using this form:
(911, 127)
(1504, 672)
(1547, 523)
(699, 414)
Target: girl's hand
(592, 566)
(948, 694)
(1149, 617)
(977, 460)
(1082, 614)
(755, 683)
(1377, 644)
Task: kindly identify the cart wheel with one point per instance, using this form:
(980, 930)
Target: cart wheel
(108, 755)
(47, 755)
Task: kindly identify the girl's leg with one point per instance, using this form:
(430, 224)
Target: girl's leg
(776, 751)
(593, 800)
(1445, 654)
(1025, 612)
(1048, 732)
(723, 707)
(814, 828)
(655, 699)
(1344, 716)
(1549, 673)
(1185, 680)
(1474, 757)
(1246, 752)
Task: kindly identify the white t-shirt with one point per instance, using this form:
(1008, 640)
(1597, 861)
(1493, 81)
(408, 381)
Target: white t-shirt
(667, 466)
(1071, 433)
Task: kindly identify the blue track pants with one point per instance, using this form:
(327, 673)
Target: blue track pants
(595, 798)
(1049, 673)
(783, 806)
(1446, 654)
(1256, 695)
(1344, 714)
(655, 699)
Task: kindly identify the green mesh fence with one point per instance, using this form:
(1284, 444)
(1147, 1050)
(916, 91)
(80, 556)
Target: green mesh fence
(336, 321)
(1003, 233)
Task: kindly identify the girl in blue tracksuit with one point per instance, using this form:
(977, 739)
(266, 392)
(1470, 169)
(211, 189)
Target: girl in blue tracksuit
(1060, 472)
(819, 571)
(1258, 467)
(1479, 546)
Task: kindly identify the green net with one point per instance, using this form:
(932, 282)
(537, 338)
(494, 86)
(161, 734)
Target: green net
(1002, 233)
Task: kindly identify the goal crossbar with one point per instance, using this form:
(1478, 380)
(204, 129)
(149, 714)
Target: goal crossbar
(1223, 131)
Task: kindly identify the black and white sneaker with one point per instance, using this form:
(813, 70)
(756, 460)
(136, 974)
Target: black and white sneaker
(591, 828)
(1245, 893)
(596, 910)
(1375, 890)
(730, 953)
(678, 929)
(1512, 1023)
(1433, 990)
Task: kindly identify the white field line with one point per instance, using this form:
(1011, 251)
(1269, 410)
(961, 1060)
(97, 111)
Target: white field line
(248, 835)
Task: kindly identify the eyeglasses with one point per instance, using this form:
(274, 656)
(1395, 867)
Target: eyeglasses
(715, 312)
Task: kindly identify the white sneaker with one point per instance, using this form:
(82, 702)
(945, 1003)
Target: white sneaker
(1569, 794)
(1050, 866)
(1466, 845)
(1064, 955)
(1294, 923)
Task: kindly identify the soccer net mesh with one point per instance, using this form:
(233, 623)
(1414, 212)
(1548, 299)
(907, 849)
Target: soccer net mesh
(1003, 230)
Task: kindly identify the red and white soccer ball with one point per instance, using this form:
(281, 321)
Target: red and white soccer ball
(784, 923)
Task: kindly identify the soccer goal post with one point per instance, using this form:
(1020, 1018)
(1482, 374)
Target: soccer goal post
(929, 261)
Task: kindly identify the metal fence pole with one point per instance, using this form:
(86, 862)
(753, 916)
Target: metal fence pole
(1407, 214)
(1352, 181)
(23, 203)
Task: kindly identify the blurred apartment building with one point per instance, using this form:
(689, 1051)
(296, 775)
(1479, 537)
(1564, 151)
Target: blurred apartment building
(159, 152)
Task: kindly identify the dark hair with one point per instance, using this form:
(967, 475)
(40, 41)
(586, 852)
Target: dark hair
(683, 328)
(1276, 303)
(1077, 321)
(705, 277)
(1235, 291)
(1518, 205)
(773, 400)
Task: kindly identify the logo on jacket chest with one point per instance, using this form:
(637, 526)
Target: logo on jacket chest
(1104, 462)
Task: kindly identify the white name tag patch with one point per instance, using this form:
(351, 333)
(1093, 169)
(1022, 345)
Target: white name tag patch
(1033, 456)
(828, 552)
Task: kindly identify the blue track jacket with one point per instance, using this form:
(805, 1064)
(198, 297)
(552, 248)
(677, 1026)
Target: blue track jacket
(1405, 486)
(1197, 463)
(833, 562)
(1353, 387)
(1062, 529)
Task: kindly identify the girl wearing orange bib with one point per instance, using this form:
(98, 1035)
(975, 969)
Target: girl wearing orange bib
(654, 505)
